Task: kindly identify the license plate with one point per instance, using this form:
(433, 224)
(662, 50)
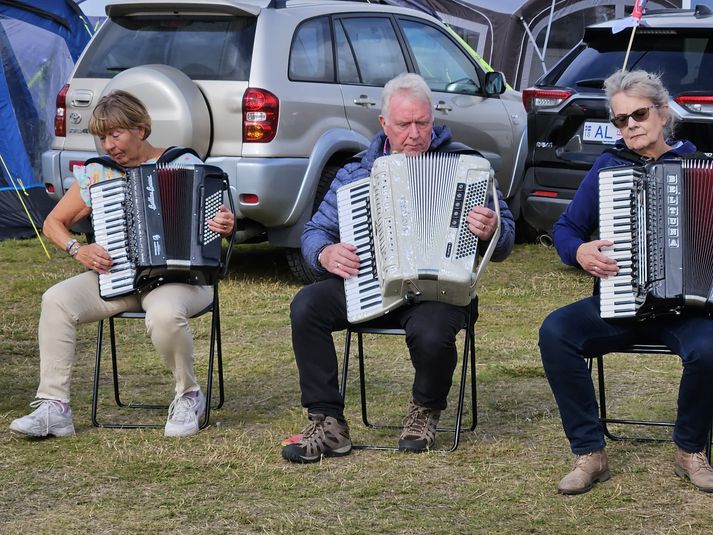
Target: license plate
(600, 132)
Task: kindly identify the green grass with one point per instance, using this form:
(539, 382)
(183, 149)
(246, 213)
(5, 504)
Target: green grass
(230, 478)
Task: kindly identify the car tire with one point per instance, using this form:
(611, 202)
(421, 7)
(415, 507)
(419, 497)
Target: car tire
(179, 111)
(526, 233)
(298, 265)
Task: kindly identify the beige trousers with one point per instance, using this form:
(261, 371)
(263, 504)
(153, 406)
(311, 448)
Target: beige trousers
(76, 301)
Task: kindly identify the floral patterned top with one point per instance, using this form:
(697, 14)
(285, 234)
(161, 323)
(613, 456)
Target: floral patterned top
(96, 172)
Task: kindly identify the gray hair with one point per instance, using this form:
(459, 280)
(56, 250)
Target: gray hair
(405, 82)
(641, 84)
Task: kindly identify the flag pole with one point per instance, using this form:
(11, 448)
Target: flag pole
(628, 48)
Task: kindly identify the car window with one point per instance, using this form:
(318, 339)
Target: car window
(210, 48)
(311, 52)
(685, 62)
(375, 49)
(443, 65)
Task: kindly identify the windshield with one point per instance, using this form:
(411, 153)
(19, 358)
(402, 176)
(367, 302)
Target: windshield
(205, 48)
(684, 61)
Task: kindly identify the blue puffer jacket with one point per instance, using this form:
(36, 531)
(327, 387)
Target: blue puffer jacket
(581, 218)
(323, 228)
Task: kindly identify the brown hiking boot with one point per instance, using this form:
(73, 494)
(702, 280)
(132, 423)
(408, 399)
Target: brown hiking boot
(324, 436)
(695, 467)
(588, 469)
(419, 428)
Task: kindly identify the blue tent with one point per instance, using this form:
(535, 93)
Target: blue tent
(39, 42)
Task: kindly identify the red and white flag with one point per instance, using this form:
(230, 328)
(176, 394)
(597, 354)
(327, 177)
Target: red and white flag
(633, 20)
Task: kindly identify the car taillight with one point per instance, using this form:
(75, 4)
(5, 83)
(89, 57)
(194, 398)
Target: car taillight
(60, 125)
(696, 103)
(260, 112)
(533, 98)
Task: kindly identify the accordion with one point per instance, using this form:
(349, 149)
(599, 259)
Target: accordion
(660, 218)
(408, 222)
(153, 223)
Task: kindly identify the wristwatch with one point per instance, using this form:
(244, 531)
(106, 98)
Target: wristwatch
(69, 245)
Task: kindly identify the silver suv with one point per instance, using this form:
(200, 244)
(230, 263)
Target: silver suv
(279, 94)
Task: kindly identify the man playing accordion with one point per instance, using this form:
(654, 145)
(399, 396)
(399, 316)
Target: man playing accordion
(320, 308)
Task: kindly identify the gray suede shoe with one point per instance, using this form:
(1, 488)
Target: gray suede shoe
(695, 467)
(588, 469)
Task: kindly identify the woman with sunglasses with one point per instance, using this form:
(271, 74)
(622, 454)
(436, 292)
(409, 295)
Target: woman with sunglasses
(639, 108)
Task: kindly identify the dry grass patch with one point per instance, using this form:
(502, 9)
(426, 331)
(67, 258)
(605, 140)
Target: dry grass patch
(231, 479)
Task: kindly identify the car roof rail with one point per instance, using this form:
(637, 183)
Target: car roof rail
(700, 11)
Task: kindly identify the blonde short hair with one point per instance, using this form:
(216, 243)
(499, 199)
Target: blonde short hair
(119, 109)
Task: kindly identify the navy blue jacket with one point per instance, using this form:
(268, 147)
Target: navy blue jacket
(581, 218)
(323, 229)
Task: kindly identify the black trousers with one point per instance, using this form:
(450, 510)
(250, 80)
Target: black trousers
(320, 309)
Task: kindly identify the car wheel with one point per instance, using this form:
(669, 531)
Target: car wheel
(179, 112)
(525, 233)
(299, 267)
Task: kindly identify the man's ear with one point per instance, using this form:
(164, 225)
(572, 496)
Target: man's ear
(382, 121)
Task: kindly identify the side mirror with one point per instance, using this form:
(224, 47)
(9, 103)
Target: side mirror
(494, 83)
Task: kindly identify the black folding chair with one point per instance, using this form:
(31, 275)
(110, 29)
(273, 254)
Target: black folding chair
(215, 350)
(605, 419)
(468, 357)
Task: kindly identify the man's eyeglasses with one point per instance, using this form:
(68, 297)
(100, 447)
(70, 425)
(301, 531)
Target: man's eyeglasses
(621, 120)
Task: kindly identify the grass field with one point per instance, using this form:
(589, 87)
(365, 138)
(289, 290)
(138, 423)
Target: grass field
(230, 478)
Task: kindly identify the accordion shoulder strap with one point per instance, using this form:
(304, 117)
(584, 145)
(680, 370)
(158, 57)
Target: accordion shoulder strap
(171, 153)
(456, 147)
(625, 153)
(106, 162)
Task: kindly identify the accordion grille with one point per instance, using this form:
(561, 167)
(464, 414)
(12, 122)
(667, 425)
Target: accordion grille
(431, 178)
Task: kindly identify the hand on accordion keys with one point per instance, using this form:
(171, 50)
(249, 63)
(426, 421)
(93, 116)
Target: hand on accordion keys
(222, 222)
(340, 259)
(596, 262)
(94, 257)
(482, 222)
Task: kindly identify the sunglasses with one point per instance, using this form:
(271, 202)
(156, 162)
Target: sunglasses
(621, 120)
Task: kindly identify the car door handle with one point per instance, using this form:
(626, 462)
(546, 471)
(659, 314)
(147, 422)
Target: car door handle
(365, 101)
(442, 106)
(82, 98)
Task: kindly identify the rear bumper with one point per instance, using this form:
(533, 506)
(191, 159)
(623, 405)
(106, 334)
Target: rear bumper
(546, 192)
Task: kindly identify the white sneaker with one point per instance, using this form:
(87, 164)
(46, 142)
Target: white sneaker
(183, 415)
(51, 417)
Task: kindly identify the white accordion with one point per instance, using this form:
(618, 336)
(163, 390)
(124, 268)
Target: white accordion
(408, 222)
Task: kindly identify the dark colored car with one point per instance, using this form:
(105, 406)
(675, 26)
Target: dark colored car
(568, 118)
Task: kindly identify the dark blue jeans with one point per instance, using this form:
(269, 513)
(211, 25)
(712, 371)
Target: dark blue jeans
(572, 333)
(320, 309)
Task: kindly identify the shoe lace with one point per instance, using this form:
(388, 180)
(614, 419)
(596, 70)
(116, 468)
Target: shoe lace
(312, 429)
(182, 409)
(699, 461)
(416, 420)
(42, 408)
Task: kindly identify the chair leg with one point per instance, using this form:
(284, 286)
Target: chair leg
(604, 419)
(467, 358)
(215, 348)
(345, 364)
(97, 367)
(115, 371)
(216, 327)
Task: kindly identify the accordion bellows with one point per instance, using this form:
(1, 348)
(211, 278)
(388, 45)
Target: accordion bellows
(408, 221)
